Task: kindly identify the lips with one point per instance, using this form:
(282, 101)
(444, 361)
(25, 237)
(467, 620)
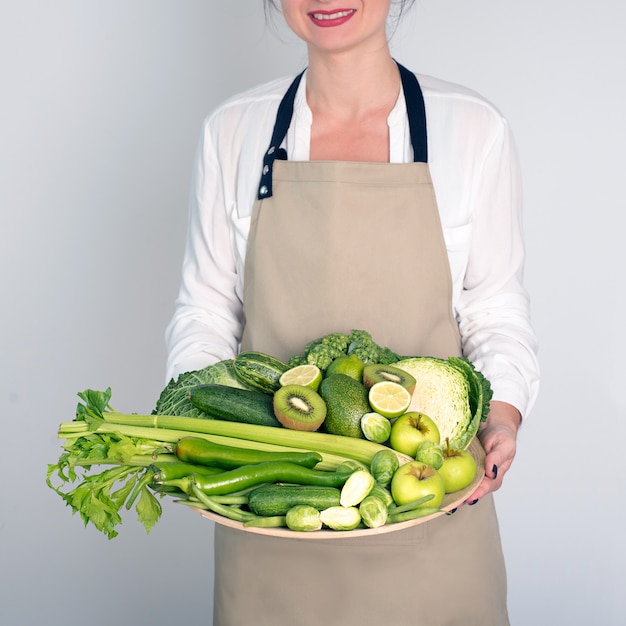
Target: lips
(326, 19)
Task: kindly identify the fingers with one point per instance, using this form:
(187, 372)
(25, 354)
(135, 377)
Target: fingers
(498, 437)
(500, 454)
(487, 485)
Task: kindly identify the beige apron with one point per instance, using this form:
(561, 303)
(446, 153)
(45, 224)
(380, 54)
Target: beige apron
(335, 246)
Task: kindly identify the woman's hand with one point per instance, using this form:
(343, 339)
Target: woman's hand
(499, 437)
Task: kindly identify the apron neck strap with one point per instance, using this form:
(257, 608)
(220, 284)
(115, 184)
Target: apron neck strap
(416, 112)
(283, 119)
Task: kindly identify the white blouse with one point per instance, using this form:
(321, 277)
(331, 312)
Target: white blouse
(475, 174)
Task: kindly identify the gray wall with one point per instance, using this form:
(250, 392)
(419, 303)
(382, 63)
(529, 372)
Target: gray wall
(100, 109)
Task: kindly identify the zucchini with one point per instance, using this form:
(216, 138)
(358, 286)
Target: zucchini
(222, 402)
(274, 500)
(259, 371)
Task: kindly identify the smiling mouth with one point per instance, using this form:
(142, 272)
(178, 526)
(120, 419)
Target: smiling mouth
(332, 16)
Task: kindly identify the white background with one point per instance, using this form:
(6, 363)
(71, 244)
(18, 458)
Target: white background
(100, 108)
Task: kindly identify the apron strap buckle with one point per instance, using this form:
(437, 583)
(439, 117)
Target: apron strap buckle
(265, 186)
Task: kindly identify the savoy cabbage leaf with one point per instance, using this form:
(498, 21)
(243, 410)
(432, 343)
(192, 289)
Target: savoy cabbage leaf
(174, 399)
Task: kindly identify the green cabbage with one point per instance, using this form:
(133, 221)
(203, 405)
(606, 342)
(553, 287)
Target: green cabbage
(452, 393)
(174, 399)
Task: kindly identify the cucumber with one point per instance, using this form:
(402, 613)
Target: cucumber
(234, 405)
(259, 371)
(273, 500)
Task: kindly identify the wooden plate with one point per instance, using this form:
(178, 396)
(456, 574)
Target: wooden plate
(451, 501)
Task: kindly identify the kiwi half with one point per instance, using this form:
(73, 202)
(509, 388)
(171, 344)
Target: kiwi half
(299, 408)
(376, 373)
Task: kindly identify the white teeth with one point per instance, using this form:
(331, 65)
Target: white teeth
(331, 16)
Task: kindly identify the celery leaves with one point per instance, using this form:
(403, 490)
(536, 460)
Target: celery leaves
(98, 496)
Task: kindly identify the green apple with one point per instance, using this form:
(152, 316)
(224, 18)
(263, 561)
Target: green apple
(411, 429)
(458, 469)
(414, 480)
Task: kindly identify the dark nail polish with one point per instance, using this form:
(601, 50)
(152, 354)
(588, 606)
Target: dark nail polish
(451, 511)
(495, 472)
(473, 502)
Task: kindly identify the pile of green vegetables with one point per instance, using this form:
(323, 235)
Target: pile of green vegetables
(256, 473)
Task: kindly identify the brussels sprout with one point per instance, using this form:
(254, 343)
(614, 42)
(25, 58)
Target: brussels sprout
(356, 488)
(341, 517)
(430, 453)
(375, 427)
(383, 466)
(373, 512)
(303, 517)
(382, 493)
(351, 465)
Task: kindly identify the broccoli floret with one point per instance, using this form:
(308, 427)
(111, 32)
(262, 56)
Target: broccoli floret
(359, 335)
(363, 346)
(336, 341)
(387, 356)
(309, 346)
(368, 353)
(296, 360)
(323, 351)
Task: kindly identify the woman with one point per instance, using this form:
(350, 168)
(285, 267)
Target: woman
(314, 211)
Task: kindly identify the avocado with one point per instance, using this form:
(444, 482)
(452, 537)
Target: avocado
(346, 403)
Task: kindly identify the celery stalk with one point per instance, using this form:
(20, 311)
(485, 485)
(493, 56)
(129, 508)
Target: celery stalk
(330, 461)
(349, 447)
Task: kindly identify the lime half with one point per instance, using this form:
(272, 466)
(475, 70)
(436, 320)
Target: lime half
(389, 399)
(304, 375)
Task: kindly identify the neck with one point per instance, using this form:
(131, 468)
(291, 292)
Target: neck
(352, 86)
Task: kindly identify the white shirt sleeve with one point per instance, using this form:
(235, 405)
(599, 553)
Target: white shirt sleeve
(492, 308)
(207, 322)
(208, 319)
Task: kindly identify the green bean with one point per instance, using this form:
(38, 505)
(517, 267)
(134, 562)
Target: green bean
(421, 511)
(409, 506)
(231, 512)
(275, 521)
